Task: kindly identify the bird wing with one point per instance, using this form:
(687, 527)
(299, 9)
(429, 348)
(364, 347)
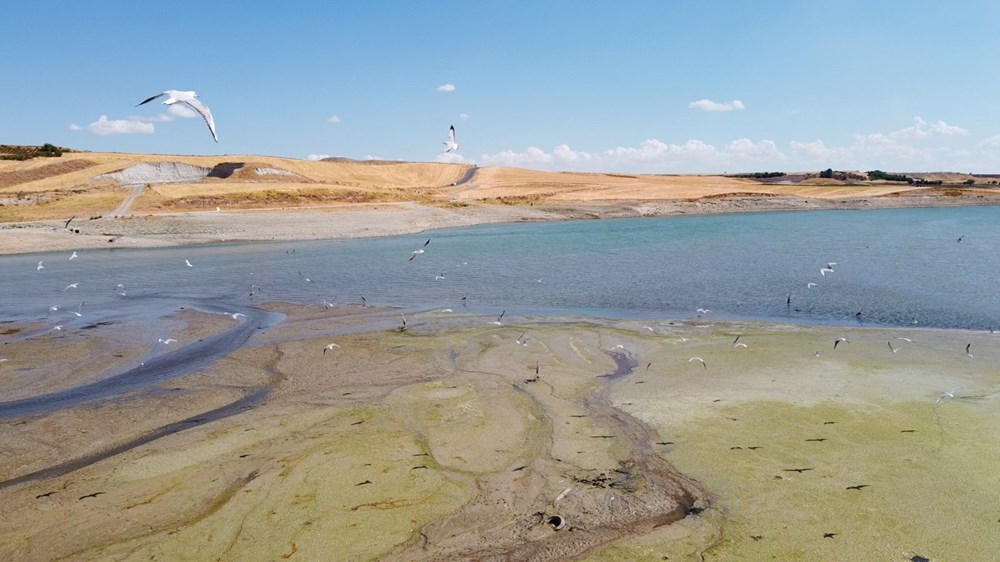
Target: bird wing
(202, 110)
(147, 100)
(451, 135)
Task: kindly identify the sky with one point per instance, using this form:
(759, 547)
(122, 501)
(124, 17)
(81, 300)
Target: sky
(664, 86)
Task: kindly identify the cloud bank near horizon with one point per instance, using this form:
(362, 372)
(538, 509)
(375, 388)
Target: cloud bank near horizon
(923, 146)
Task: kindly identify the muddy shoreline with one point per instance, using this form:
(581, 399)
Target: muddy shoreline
(390, 219)
(443, 442)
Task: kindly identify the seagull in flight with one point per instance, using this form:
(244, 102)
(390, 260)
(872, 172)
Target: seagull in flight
(166, 341)
(73, 257)
(40, 267)
(419, 250)
(191, 99)
(329, 347)
(698, 359)
(188, 263)
(968, 350)
(810, 285)
(120, 289)
(236, 315)
(837, 341)
(825, 270)
(499, 318)
(450, 145)
(71, 286)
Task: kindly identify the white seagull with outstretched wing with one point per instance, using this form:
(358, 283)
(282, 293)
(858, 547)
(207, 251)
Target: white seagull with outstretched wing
(450, 144)
(191, 99)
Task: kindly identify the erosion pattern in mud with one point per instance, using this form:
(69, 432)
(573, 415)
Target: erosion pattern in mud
(641, 493)
(187, 359)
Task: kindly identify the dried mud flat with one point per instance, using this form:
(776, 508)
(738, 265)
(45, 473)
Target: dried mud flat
(545, 439)
(435, 443)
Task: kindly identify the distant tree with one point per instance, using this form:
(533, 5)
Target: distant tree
(969, 182)
(880, 175)
(49, 150)
(827, 173)
(760, 175)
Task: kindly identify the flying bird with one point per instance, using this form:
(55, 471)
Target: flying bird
(450, 144)
(499, 318)
(188, 263)
(73, 257)
(968, 350)
(419, 250)
(700, 360)
(892, 349)
(810, 285)
(40, 266)
(167, 341)
(329, 347)
(191, 99)
(837, 341)
(66, 226)
(71, 286)
(825, 270)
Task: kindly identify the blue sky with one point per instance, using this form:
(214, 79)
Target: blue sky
(654, 87)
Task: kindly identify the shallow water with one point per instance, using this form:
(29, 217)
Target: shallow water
(899, 267)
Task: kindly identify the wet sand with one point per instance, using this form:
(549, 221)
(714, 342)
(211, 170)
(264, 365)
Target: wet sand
(438, 442)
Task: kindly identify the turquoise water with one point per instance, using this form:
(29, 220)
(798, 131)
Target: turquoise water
(895, 267)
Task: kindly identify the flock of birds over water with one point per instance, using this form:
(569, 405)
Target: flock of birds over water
(57, 311)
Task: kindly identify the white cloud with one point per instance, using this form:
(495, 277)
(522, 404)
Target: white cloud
(922, 146)
(920, 130)
(993, 142)
(104, 126)
(75, 127)
(449, 158)
(709, 105)
(531, 157)
(763, 150)
(333, 119)
(944, 129)
(446, 88)
(463, 116)
(652, 155)
(315, 157)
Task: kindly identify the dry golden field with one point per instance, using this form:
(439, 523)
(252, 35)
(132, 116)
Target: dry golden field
(55, 188)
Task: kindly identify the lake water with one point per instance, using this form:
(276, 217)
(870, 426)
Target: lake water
(896, 267)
